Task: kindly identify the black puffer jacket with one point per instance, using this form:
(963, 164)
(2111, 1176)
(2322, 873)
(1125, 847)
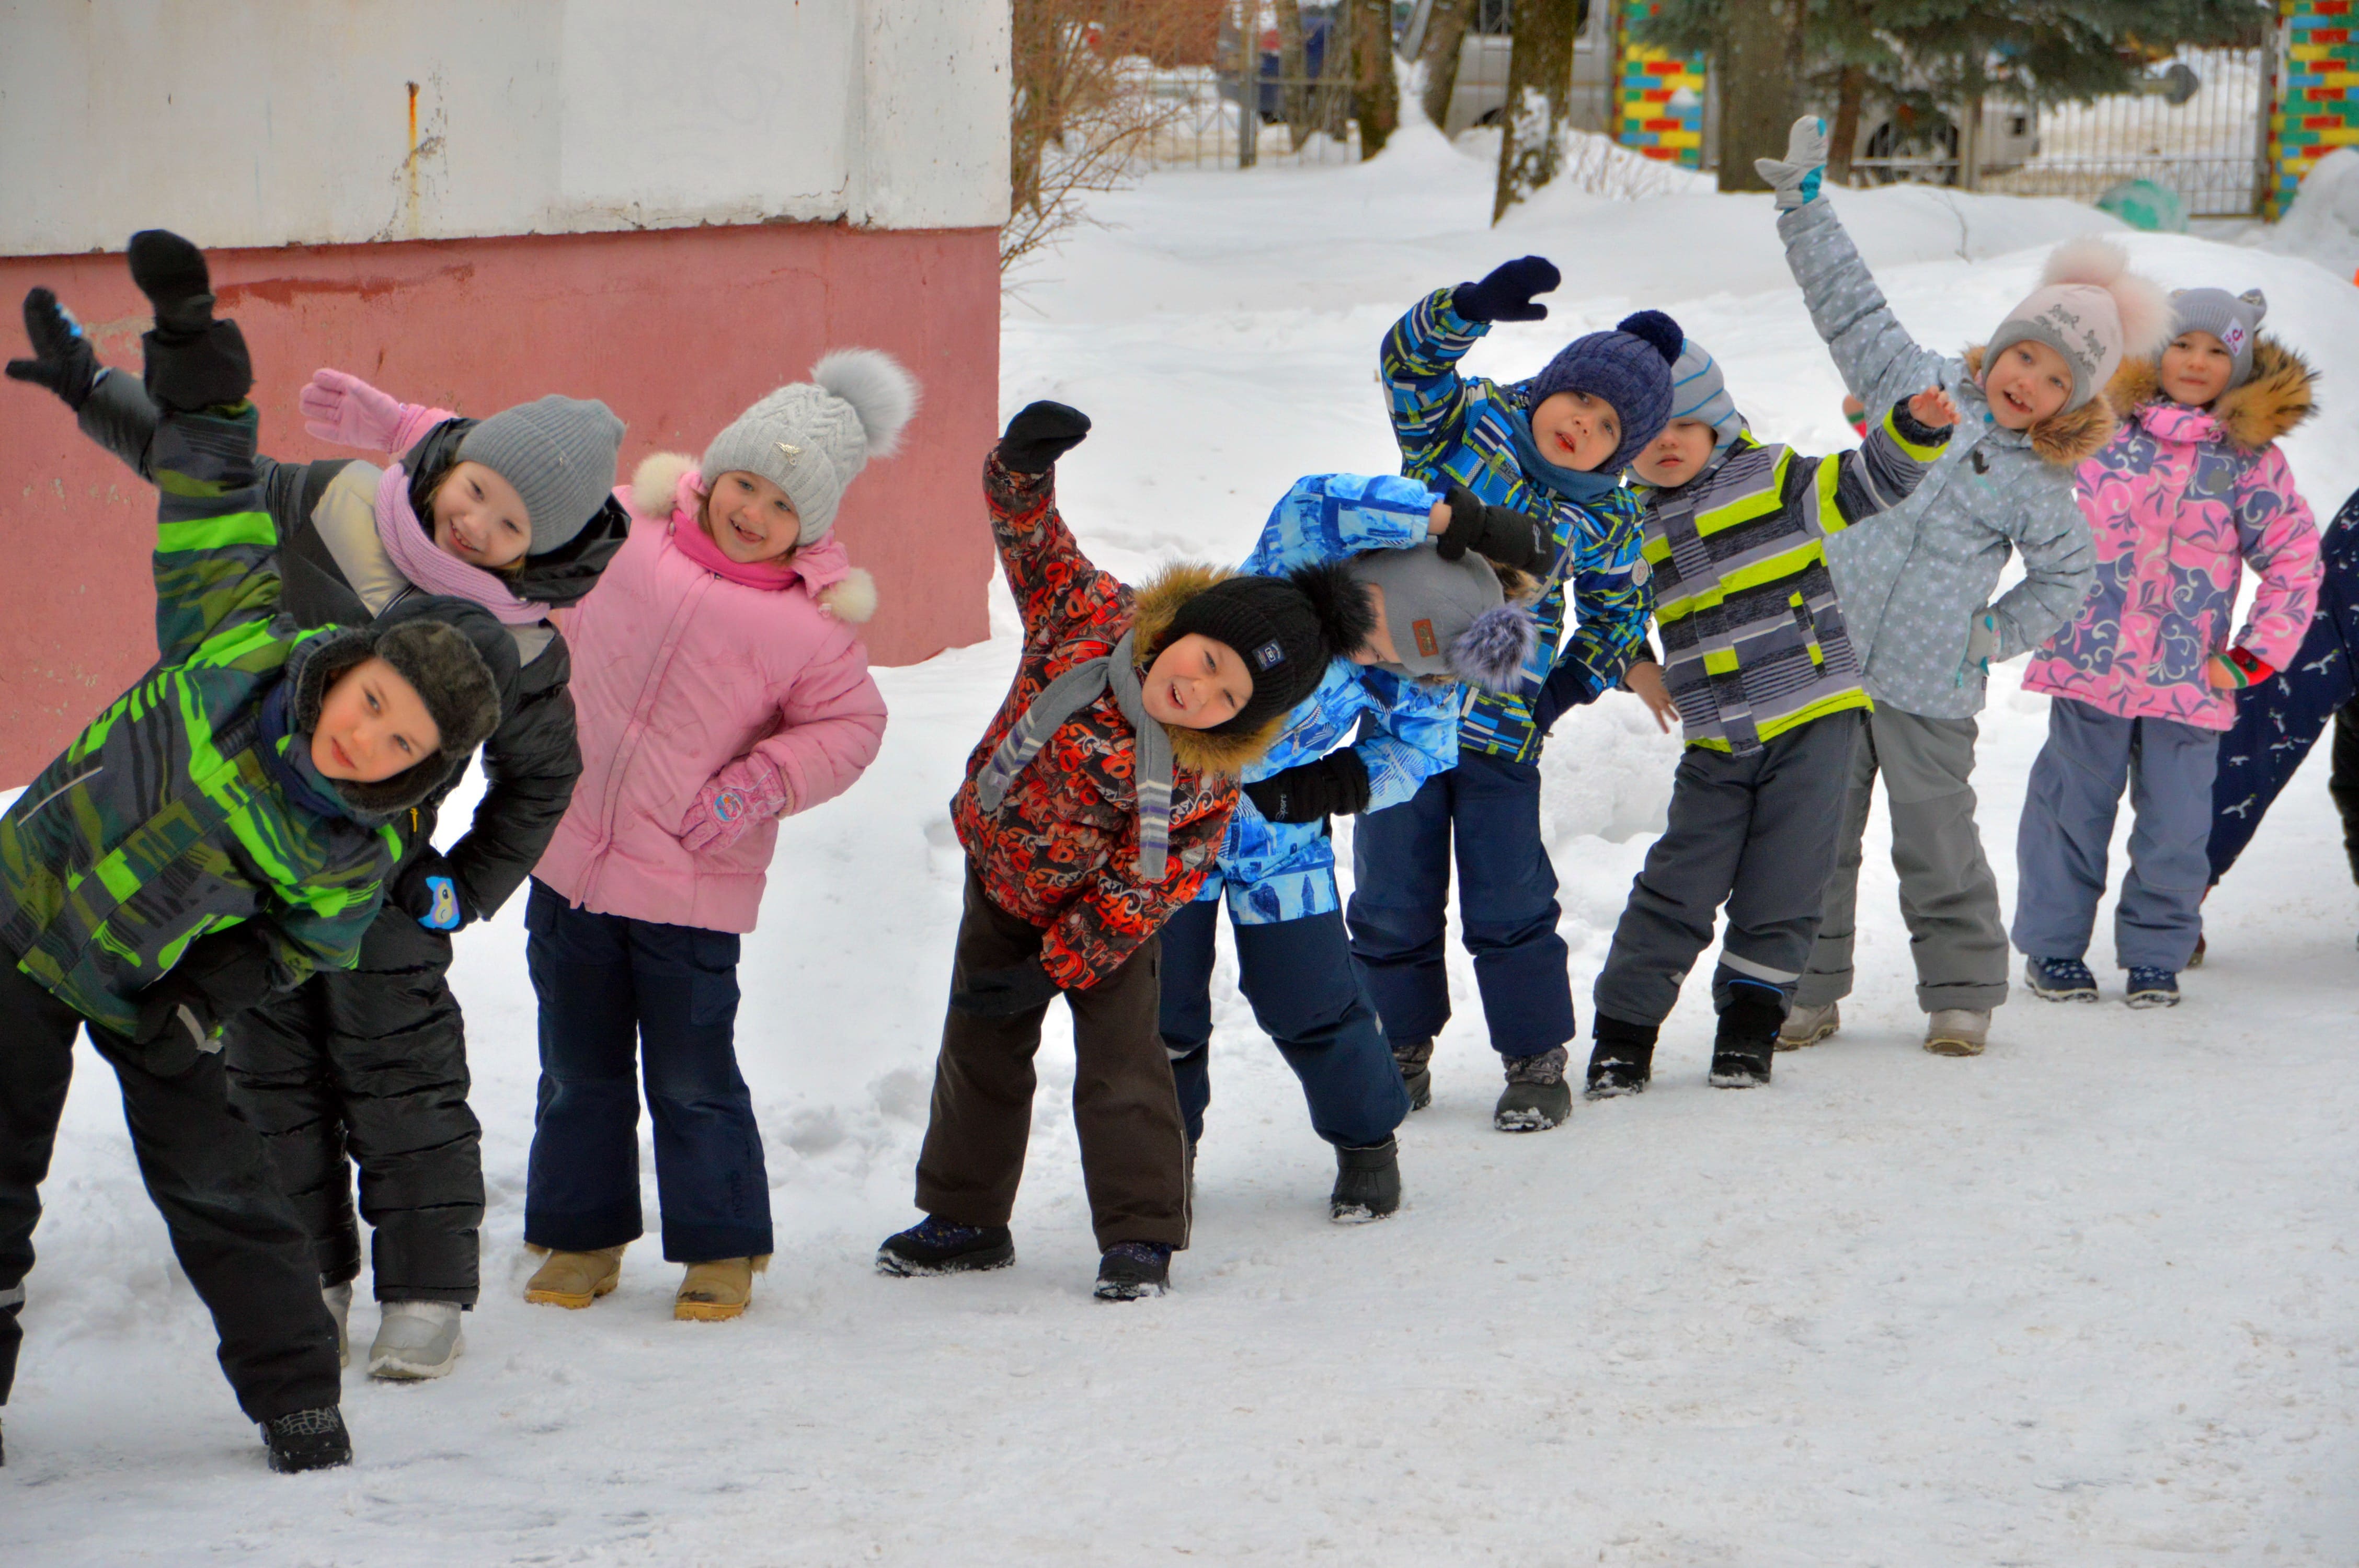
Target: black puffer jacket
(336, 572)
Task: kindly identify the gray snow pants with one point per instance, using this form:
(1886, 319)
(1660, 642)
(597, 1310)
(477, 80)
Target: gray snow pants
(1756, 832)
(1948, 896)
(2068, 825)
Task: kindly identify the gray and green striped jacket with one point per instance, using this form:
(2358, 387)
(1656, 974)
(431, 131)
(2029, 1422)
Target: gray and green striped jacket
(163, 821)
(1754, 640)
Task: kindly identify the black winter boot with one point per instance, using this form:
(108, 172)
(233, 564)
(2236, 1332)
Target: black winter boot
(1537, 1097)
(1130, 1270)
(1415, 1060)
(307, 1440)
(1622, 1060)
(193, 361)
(938, 1246)
(1367, 1183)
(1747, 1041)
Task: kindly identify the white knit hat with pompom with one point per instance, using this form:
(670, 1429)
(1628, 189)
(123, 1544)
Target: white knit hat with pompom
(811, 438)
(2091, 308)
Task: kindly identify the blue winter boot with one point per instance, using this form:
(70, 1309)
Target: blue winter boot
(2151, 987)
(2060, 979)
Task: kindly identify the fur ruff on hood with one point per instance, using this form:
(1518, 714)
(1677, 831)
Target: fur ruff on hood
(2271, 402)
(2066, 439)
(1154, 605)
(656, 492)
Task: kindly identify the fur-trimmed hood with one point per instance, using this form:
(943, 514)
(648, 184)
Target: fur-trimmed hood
(1154, 605)
(2065, 440)
(2271, 404)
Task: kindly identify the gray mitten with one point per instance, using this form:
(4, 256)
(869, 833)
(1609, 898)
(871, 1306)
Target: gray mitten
(1795, 177)
(1982, 641)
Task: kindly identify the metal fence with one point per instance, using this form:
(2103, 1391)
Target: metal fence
(1280, 91)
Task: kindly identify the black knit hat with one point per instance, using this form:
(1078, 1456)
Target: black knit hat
(1286, 630)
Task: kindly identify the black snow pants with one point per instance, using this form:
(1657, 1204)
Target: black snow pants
(209, 1177)
(369, 1065)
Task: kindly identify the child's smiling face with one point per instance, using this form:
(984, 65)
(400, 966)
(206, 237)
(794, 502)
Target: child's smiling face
(2028, 382)
(1195, 683)
(2196, 368)
(373, 725)
(750, 518)
(479, 518)
(1576, 430)
(1676, 455)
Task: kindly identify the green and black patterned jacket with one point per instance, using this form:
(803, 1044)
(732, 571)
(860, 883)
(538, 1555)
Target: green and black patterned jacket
(165, 820)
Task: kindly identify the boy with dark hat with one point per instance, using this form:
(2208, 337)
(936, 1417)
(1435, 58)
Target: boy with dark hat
(217, 835)
(1549, 452)
(1092, 811)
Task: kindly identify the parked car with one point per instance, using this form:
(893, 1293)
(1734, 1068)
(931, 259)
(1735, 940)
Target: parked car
(1889, 148)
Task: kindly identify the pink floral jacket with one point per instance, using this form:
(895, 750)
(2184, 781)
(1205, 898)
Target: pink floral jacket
(2179, 500)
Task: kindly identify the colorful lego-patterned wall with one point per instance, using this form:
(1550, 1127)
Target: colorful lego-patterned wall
(1659, 97)
(2317, 110)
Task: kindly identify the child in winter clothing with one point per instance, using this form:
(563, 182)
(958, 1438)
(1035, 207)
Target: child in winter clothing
(1769, 694)
(1092, 811)
(220, 834)
(2279, 719)
(723, 686)
(1445, 620)
(1915, 588)
(1553, 447)
(2191, 486)
(369, 1063)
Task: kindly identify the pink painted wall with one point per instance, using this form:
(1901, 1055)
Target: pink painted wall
(676, 330)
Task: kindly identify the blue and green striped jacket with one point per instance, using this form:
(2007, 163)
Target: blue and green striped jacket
(1451, 428)
(162, 822)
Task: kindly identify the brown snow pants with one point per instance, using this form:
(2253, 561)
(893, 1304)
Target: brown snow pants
(1125, 1108)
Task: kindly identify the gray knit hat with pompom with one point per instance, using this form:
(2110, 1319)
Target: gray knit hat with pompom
(811, 438)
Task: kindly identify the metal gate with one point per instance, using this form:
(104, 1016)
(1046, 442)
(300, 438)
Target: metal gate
(2198, 124)
(1278, 89)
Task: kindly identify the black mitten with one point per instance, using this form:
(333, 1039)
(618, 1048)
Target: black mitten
(1505, 292)
(193, 361)
(1499, 534)
(1334, 785)
(63, 360)
(1040, 434)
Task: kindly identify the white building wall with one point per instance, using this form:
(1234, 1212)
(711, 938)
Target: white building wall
(274, 122)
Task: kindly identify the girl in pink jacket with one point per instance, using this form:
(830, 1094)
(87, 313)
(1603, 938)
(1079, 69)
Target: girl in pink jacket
(722, 684)
(2190, 491)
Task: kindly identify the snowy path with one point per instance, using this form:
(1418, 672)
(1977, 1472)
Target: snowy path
(2090, 1300)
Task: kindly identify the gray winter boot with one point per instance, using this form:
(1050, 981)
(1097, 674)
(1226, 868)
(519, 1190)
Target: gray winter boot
(416, 1340)
(1958, 1031)
(1537, 1097)
(1808, 1026)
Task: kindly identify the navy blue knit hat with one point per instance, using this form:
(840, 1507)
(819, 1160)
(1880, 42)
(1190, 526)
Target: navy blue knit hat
(1630, 367)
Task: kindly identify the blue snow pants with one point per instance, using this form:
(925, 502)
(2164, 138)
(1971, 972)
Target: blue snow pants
(2278, 720)
(1306, 996)
(612, 990)
(2066, 827)
(1507, 905)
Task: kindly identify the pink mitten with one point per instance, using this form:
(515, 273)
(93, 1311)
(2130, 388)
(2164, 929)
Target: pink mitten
(349, 411)
(747, 791)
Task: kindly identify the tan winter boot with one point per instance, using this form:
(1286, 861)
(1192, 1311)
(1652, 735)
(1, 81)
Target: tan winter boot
(718, 1291)
(575, 1279)
(1958, 1031)
(1808, 1026)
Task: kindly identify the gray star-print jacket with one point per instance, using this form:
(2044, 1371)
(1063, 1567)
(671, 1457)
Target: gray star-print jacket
(1912, 581)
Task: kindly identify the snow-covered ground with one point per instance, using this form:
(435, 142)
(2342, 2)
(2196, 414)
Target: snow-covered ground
(2090, 1300)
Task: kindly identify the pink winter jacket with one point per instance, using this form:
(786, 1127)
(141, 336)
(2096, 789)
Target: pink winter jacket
(679, 672)
(2180, 501)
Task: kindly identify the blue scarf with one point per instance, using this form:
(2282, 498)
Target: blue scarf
(290, 767)
(1573, 484)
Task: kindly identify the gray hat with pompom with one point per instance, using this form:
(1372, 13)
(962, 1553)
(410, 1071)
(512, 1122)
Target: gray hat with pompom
(2233, 318)
(559, 454)
(811, 438)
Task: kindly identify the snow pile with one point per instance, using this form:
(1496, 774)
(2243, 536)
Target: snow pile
(2323, 223)
(2088, 1300)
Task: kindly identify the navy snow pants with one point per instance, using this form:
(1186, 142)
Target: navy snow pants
(1490, 806)
(1306, 996)
(617, 993)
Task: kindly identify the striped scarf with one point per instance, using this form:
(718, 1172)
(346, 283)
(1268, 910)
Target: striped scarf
(1060, 700)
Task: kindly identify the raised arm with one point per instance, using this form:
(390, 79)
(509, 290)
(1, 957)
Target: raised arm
(1881, 471)
(1879, 361)
(1333, 516)
(1420, 358)
(1046, 569)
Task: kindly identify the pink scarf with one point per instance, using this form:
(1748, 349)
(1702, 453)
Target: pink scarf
(431, 567)
(815, 564)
